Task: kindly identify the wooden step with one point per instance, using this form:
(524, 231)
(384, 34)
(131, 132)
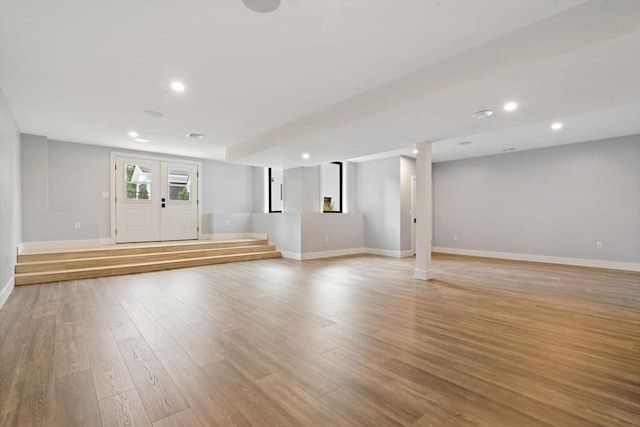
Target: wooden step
(141, 267)
(133, 249)
(84, 262)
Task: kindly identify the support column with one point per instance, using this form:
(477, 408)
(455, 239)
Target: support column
(424, 212)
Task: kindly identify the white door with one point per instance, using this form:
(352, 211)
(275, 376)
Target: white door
(155, 200)
(137, 200)
(179, 203)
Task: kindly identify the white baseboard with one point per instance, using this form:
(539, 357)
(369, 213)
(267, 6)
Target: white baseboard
(329, 254)
(232, 236)
(64, 244)
(580, 262)
(423, 274)
(20, 248)
(385, 252)
(291, 255)
(6, 291)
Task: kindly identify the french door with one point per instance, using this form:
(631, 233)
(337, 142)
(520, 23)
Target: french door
(155, 200)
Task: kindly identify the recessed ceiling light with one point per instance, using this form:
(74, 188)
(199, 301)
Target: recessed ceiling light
(510, 106)
(133, 134)
(415, 151)
(464, 142)
(262, 6)
(177, 86)
(556, 126)
(482, 114)
(305, 156)
(141, 140)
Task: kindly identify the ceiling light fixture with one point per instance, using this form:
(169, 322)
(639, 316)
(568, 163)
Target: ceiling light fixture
(556, 126)
(153, 114)
(464, 142)
(133, 134)
(141, 140)
(510, 106)
(262, 6)
(305, 156)
(482, 114)
(195, 135)
(177, 86)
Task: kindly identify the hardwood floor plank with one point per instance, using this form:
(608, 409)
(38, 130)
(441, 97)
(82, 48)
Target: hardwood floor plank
(110, 373)
(257, 407)
(35, 404)
(201, 351)
(305, 408)
(204, 396)
(71, 354)
(185, 418)
(157, 391)
(123, 410)
(75, 401)
(154, 334)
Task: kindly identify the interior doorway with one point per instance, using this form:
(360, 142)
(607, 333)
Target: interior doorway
(155, 200)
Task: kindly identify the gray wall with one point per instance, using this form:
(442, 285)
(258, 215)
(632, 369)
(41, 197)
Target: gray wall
(330, 232)
(10, 189)
(407, 170)
(63, 184)
(554, 201)
(378, 183)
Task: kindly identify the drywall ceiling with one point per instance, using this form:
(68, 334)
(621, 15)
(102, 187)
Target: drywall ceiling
(338, 79)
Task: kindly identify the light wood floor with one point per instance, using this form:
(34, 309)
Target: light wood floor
(345, 341)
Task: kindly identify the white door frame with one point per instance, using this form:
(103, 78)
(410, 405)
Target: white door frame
(112, 181)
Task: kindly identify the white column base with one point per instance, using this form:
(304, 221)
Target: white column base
(423, 274)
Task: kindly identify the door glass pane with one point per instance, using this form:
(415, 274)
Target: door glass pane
(137, 179)
(179, 184)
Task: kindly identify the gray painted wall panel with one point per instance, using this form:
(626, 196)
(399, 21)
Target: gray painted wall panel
(407, 169)
(554, 201)
(10, 193)
(379, 201)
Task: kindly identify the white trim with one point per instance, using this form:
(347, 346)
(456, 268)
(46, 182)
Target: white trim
(423, 274)
(291, 255)
(233, 236)
(329, 254)
(6, 291)
(64, 244)
(581, 262)
(384, 252)
(20, 248)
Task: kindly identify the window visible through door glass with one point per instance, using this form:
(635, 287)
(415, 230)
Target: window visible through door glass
(179, 184)
(137, 180)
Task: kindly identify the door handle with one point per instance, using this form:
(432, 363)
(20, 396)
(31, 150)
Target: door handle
(163, 200)
(164, 205)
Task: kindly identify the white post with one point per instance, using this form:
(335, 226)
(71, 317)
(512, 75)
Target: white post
(424, 212)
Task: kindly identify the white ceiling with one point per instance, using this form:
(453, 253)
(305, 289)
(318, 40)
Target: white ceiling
(338, 79)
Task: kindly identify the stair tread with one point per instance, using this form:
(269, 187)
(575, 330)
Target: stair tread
(121, 246)
(139, 264)
(146, 254)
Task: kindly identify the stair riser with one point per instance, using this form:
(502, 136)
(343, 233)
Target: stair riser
(97, 253)
(120, 270)
(138, 258)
